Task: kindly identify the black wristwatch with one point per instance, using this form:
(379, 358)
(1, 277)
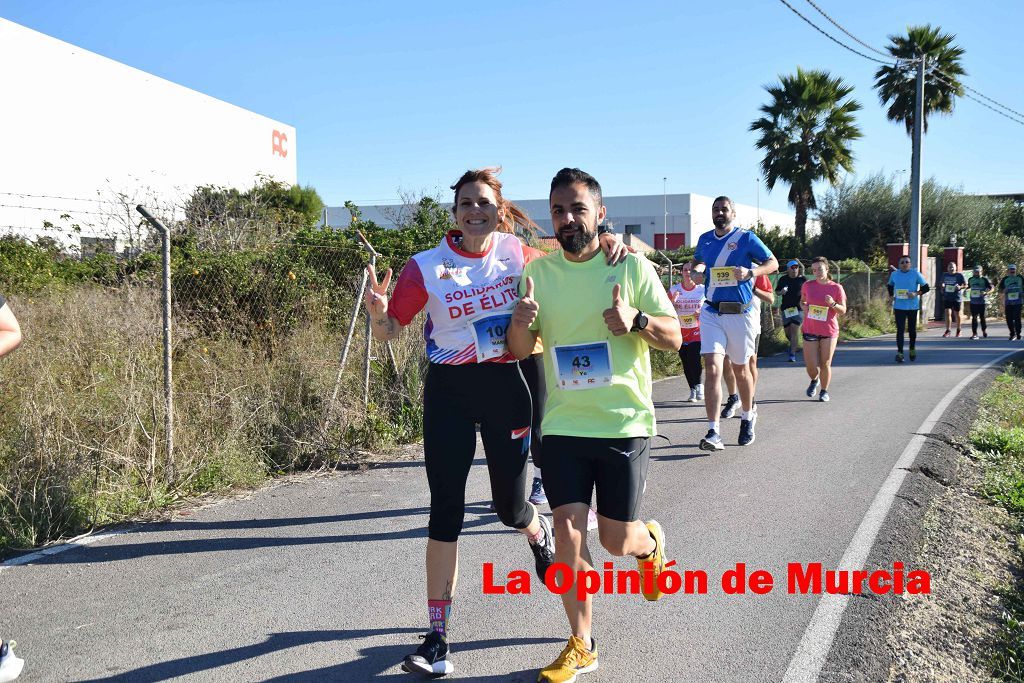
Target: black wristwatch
(603, 229)
(639, 322)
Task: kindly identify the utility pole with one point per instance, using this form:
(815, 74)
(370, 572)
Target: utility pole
(915, 170)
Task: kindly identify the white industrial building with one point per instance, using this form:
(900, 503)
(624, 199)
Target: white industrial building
(86, 138)
(684, 217)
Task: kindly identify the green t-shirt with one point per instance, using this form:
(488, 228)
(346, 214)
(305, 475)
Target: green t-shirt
(1012, 284)
(598, 385)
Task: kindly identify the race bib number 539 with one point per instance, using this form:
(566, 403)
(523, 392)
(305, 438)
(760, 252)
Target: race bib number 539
(723, 277)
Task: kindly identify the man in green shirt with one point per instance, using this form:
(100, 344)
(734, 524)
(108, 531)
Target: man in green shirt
(979, 286)
(1012, 287)
(597, 324)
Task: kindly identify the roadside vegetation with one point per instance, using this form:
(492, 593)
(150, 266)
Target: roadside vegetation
(998, 445)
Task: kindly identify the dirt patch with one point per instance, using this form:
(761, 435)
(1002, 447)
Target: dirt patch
(967, 547)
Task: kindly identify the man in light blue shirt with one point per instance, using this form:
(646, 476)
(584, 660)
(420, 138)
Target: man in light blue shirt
(906, 286)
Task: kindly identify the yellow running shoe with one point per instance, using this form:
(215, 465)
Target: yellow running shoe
(657, 560)
(575, 659)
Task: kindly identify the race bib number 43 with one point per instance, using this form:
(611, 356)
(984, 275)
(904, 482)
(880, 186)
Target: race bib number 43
(489, 334)
(723, 277)
(583, 366)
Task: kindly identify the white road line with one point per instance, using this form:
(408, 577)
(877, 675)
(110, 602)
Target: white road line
(817, 639)
(53, 550)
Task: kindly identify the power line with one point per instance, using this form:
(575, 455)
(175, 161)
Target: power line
(841, 43)
(855, 38)
(945, 78)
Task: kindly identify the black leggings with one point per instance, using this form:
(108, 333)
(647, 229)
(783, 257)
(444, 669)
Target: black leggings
(690, 355)
(905, 321)
(976, 311)
(455, 399)
(1013, 319)
(533, 371)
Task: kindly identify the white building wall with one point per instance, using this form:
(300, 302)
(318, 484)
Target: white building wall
(80, 128)
(689, 214)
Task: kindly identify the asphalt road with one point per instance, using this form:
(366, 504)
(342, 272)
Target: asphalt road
(321, 578)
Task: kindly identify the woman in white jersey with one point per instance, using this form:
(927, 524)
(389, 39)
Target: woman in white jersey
(688, 296)
(468, 287)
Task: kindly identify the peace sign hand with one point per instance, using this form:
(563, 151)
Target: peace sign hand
(376, 298)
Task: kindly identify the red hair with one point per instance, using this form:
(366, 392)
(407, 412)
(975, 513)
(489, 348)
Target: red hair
(514, 217)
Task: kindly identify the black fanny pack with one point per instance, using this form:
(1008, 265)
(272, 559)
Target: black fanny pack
(726, 307)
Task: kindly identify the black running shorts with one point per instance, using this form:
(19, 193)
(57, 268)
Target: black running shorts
(951, 304)
(575, 465)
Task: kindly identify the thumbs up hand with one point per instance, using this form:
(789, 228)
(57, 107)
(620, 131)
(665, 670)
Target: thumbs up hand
(526, 309)
(619, 318)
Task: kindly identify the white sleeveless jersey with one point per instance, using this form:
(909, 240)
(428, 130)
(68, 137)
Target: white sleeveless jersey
(468, 298)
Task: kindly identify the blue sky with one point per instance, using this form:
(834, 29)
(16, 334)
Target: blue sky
(390, 96)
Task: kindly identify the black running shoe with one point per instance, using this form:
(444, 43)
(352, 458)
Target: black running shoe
(544, 552)
(747, 430)
(730, 406)
(430, 658)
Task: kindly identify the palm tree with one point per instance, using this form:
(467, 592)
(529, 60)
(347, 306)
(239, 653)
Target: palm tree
(806, 133)
(897, 84)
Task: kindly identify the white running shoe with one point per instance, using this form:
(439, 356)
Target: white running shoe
(693, 396)
(10, 664)
(700, 392)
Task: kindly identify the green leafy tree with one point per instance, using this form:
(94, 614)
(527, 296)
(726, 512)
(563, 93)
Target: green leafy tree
(897, 84)
(806, 132)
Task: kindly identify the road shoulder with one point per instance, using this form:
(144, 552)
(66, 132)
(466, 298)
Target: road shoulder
(939, 525)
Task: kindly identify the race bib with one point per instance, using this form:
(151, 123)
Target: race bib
(790, 312)
(489, 334)
(951, 289)
(723, 277)
(688, 321)
(818, 313)
(1013, 296)
(583, 366)
(975, 293)
(902, 294)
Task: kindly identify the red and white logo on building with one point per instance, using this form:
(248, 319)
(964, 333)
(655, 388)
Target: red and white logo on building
(278, 144)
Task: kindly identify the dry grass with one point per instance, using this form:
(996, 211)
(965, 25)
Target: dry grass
(81, 411)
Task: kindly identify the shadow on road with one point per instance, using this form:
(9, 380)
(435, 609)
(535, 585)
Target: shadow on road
(373, 661)
(129, 551)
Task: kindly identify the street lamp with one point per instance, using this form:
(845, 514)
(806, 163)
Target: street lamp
(664, 194)
(757, 180)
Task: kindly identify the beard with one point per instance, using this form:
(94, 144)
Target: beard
(578, 240)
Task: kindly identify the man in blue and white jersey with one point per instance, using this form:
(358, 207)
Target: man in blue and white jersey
(730, 319)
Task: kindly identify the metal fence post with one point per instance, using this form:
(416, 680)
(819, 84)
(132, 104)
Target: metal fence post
(369, 335)
(168, 384)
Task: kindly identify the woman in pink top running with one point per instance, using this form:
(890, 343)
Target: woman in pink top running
(822, 301)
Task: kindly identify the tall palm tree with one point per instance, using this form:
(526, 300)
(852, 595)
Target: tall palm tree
(806, 133)
(897, 85)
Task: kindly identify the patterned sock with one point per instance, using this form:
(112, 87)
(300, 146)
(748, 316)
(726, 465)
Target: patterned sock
(439, 611)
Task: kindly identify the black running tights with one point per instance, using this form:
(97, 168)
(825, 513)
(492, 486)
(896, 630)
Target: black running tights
(455, 399)
(533, 371)
(978, 311)
(690, 355)
(906, 322)
(1013, 319)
